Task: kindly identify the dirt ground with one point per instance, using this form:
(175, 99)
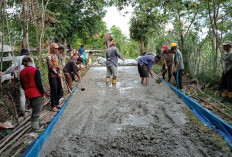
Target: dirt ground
(128, 119)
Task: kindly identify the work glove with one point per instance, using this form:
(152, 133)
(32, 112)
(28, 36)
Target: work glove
(166, 67)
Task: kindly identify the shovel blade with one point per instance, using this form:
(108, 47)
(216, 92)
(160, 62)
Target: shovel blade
(158, 81)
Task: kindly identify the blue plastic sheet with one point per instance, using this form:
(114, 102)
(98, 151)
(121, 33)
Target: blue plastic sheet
(207, 117)
(34, 148)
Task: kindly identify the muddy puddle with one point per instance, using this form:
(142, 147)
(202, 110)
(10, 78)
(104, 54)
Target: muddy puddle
(128, 119)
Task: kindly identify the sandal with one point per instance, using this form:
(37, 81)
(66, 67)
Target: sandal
(54, 109)
(59, 106)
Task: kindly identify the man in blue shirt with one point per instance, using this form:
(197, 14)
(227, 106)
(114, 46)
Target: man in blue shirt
(144, 65)
(81, 50)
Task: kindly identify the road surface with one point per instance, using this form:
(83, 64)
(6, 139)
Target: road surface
(128, 119)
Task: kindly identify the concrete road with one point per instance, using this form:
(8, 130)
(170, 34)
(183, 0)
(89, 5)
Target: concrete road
(128, 119)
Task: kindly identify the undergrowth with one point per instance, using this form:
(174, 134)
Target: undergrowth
(217, 137)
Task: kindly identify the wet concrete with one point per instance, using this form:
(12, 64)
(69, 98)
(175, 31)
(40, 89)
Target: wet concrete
(128, 119)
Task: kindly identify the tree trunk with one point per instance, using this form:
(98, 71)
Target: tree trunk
(142, 45)
(25, 41)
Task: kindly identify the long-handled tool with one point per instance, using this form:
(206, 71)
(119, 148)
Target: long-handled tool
(69, 90)
(82, 89)
(164, 70)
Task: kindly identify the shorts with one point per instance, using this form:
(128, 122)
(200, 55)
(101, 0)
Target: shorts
(112, 70)
(84, 62)
(143, 71)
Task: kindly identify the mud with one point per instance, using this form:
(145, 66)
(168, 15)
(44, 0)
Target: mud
(128, 119)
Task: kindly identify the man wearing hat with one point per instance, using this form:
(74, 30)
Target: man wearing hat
(54, 76)
(167, 57)
(225, 85)
(17, 66)
(60, 54)
(112, 55)
(179, 65)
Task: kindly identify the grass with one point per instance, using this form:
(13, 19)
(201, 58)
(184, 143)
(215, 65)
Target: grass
(217, 137)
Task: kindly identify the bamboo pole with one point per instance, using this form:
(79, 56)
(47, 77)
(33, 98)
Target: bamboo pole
(3, 30)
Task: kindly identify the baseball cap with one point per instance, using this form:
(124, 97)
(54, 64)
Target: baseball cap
(112, 43)
(173, 44)
(24, 52)
(164, 47)
(227, 43)
(61, 47)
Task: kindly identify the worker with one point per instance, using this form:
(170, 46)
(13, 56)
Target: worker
(112, 55)
(17, 66)
(31, 82)
(81, 50)
(225, 85)
(54, 76)
(144, 66)
(59, 54)
(71, 69)
(179, 65)
(167, 57)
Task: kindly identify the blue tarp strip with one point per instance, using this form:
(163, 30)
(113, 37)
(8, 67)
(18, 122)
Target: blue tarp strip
(34, 148)
(206, 116)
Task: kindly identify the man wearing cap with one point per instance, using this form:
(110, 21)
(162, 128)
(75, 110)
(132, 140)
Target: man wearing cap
(179, 65)
(17, 66)
(60, 54)
(30, 80)
(144, 65)
(112, 55)
(225, 85)
(167, 57)
(54, 76)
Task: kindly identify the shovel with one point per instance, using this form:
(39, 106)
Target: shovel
(157, 78)
(82, 89)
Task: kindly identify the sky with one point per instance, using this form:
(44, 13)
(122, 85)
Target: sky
(118, 18)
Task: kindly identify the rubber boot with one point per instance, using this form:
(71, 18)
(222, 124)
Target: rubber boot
(41, 122)
(107, 80)
(114, 81)
(35, 124)
(169, 77)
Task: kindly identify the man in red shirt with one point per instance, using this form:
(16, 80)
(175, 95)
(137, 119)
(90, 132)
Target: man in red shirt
(30, 80)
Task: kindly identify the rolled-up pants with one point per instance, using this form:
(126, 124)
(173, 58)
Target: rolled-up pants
(69, 80)
(55, 90)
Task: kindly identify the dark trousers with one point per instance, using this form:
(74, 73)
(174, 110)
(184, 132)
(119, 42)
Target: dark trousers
(56, 91)
(226, 82)
(178, 78)
(169, 71)
(36, 105)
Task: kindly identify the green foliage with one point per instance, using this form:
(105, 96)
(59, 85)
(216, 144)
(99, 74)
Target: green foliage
(43, 71)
